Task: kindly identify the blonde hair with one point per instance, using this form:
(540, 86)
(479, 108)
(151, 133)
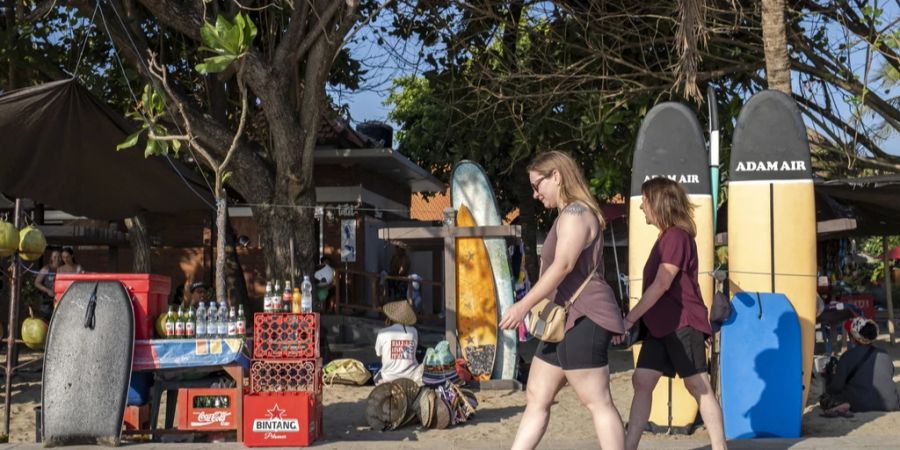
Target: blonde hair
(669, 204)
(572, 185)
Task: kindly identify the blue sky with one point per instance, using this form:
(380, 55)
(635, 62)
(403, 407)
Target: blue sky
(391, 58)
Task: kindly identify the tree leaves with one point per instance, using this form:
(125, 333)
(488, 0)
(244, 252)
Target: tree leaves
(229, 40)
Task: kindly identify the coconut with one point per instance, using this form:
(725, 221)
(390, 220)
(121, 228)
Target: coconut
(34, 333)
(31, 243)
(9, 239)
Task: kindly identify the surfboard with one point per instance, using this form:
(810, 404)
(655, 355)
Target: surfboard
(476, 301)
(761, 377)
(670, 144)
(771, 210)
(470, 186)
(87, 368)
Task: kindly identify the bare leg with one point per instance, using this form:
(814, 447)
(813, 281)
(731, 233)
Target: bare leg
(643, 381)
(544, 381)
(592, 387)
(698, 385)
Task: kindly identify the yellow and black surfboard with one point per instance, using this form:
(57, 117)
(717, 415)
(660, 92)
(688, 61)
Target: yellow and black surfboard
(771, 211)
(670, 144)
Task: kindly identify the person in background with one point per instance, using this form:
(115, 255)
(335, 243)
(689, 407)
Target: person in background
(69, 265)
(396, 344)
(199, 293)
(863, 379)
(44, 282)
(673, 311)
(399, 267)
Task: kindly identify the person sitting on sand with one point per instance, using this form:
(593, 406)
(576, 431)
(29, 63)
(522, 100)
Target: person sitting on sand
(863, 380)
(396, 344)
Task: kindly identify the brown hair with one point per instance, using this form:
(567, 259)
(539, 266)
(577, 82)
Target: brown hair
(572, 186)
(669, 204)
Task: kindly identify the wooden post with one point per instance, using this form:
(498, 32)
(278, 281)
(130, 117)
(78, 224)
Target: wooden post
(450, 281)
(887, 286)
(13, 323)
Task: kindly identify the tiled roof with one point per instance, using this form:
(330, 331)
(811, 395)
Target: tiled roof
(433, 208)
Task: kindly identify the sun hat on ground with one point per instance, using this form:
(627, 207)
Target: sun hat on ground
(857, 326)
(400, 312)
(385, 407)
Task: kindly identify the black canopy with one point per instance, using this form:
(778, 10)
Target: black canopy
(874, 202)
(59, 148)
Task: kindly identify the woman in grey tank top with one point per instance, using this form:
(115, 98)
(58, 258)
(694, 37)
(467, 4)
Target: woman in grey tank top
(570, 258)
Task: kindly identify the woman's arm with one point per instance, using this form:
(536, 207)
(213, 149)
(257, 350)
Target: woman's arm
(573, 232)
(665, 274)
(39, 281)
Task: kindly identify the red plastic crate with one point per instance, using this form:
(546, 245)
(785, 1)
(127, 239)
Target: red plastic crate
(302, 375)
(137, 417)
(149, 294)
(283, 419)
(202, 418)
(285, 336)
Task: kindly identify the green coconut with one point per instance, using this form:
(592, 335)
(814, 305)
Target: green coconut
(34, 333)
(31, 243)
(9, 239)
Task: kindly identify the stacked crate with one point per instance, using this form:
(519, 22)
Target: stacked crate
(284, 406)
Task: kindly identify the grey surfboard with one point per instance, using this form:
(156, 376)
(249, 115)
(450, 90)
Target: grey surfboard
(87, 365)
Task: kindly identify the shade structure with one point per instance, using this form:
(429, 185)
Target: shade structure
(58, 147)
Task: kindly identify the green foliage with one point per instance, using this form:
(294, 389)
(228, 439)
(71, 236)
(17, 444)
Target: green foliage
(149, 113)
(228, 40)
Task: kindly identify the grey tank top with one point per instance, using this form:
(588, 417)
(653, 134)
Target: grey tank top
(597, 300)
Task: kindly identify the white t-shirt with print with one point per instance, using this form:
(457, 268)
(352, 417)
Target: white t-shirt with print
(396, 345)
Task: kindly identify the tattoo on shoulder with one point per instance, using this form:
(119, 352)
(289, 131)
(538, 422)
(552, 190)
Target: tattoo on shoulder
(575, 209)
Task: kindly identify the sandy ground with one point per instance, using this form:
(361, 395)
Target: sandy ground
(498, 416)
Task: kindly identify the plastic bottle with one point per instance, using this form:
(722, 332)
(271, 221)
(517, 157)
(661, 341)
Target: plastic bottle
(306, 288)
(222, 329)
(212, 315)
(201, 321)
(296, 302)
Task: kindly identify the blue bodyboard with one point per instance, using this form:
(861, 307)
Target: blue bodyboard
(761, 368)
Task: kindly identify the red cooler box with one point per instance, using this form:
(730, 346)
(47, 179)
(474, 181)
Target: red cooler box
(149, 294)
(286, 419)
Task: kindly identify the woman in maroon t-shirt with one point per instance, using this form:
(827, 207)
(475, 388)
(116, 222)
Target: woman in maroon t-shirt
(673, 311)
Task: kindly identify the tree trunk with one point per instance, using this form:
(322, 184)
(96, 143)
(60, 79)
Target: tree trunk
(276, 227)
(140, 243)
(778, 64)
(528, 222)
(234, 272)
(221, 218)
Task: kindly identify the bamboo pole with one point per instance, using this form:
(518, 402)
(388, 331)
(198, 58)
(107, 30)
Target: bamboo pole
(887, 286)
(13, 321)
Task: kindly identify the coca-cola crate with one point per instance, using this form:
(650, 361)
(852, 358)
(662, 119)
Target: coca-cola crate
(285, 336)
(301, 375)
(206, 409)
(137, 417)
(283, 419)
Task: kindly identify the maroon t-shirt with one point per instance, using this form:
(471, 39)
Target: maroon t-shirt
(682, 304)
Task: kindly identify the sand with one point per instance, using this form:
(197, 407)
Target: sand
(498, 414)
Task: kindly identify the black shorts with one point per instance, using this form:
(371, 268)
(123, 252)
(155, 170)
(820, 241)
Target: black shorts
(585, 346)
(682, 352)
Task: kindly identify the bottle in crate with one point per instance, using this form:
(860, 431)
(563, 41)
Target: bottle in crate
(179, 323)
(276, 298)
(267, 300)
(286, 297)
(306, 306)
(170, 323)
(190, 324)
(201, 321)
(232, 322)
(241, 322)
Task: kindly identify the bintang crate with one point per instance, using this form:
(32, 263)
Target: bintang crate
(302, 375)
(283, 419)
(285, 336)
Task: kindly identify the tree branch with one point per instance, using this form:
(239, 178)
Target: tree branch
(295, 43)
